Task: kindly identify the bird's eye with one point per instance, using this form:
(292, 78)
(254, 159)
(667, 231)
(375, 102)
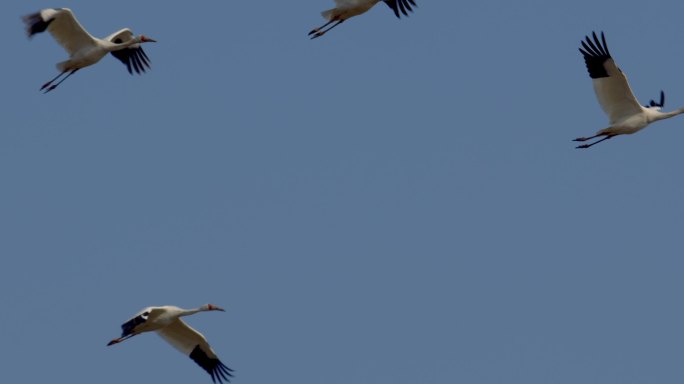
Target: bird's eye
(118, 41)
(146, 314)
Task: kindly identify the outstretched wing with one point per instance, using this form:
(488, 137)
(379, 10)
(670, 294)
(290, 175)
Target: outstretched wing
(191, 343)
(140, 322)
(401, 5)
(610, 84)
(131, 325)
(133, 56)
(63, 26)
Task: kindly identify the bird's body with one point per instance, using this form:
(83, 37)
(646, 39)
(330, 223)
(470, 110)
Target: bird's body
(85, 50)
(633, 123)
(166, 321)
(615, 96)
(346, 9)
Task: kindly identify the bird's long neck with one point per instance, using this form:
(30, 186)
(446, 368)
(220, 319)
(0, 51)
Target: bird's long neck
(667, 115)
(188, 312)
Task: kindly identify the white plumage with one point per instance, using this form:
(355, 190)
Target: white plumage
(166, 321)
(615, 96)
(346, 9)
(84, 49)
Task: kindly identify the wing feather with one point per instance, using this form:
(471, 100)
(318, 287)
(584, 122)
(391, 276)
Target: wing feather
(139, 323)
(63, 26)
(193, 344)
(610, 85)
(133, 57)
(403, 6)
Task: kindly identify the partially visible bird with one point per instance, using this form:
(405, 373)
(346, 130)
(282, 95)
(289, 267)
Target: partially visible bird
(346, 9)
(166, 321)
(626, 115)
(84, 49)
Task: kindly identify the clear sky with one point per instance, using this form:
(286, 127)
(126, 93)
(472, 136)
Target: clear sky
(396, 202)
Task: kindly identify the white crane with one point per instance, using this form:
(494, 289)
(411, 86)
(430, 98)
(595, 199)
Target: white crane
(626, 115)
(166, 321)
(346, 9)
(84, 49)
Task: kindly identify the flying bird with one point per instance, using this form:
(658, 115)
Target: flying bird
(84, 49)
(166, 321)
(346, 9)
(625, 113)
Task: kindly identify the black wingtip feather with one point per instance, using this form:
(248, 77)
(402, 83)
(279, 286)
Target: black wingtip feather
(135, 59)
(401, 6)
(653, 103)
(595, 54)
(35, 24)
(135, 64)
(143, 57)
(216, 369)
(128, 327)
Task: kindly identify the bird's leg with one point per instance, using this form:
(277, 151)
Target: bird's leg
(588, 138)
(594, 143)
(51, 87)
(321, 32)
(119, 339)
(52, 81)
(316, 30)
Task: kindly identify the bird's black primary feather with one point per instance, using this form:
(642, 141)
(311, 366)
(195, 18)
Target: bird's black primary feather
(135, 59)
(401, 5)
(128, 327)
(595, 54)
(35, 23)
(213, 366)
(662, 101)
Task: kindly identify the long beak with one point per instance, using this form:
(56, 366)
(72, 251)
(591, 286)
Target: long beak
(212, 307)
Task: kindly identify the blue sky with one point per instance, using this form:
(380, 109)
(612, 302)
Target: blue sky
(396, 202)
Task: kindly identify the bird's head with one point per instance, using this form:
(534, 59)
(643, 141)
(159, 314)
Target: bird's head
(212, 307)
(145, 39)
